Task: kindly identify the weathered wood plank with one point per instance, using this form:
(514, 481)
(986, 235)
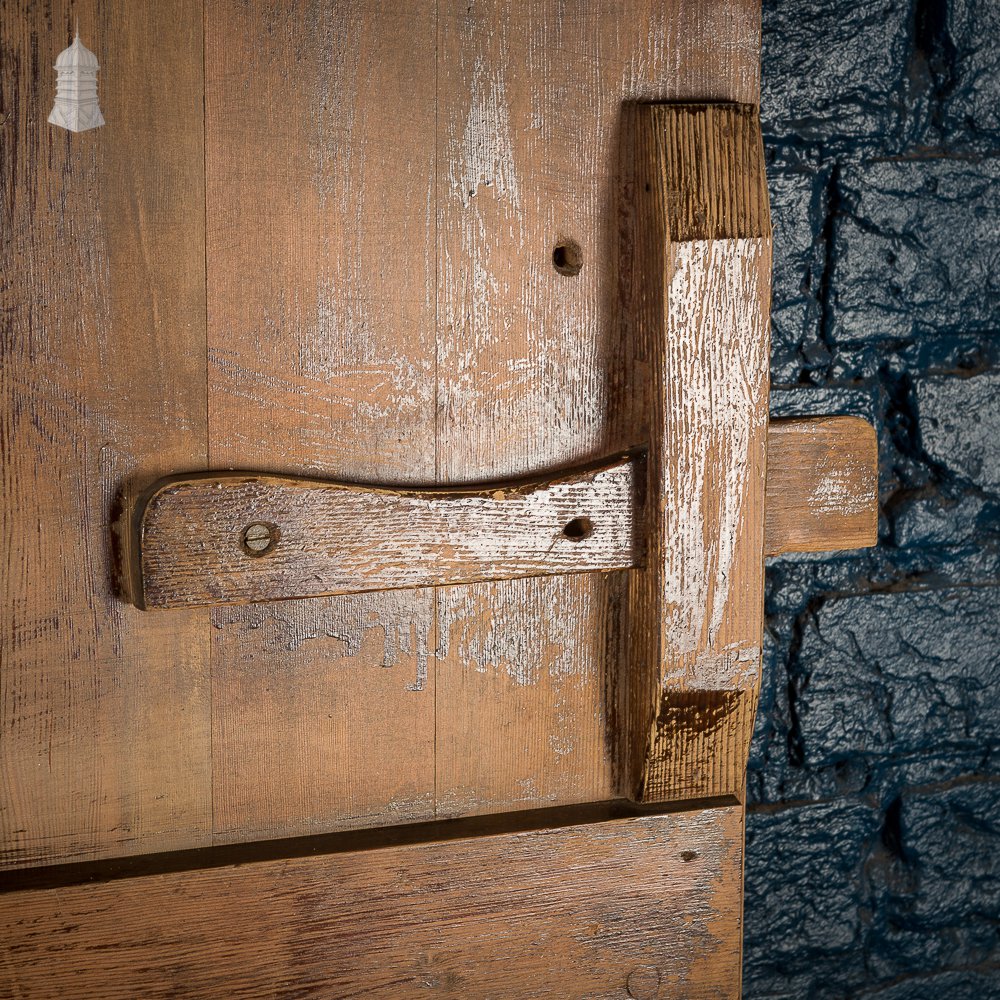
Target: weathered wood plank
(702, 231)
(104, 712)
(536, 369)
(321, 275)
(822, 485)
(235, 539)
(638, 907)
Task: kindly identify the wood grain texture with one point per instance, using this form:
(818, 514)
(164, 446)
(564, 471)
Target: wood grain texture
(641, 907)
(321, 149)
(822, 485)
(537, 369)
(104, 712)
(311, 537)
(696, 609)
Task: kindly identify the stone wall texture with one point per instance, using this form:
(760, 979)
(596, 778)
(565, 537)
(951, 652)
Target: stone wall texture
(873, 832)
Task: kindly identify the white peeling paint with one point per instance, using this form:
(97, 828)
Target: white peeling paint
(718, 359)
(486, 157)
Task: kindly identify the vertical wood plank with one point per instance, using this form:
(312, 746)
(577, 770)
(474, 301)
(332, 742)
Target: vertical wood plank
(320, 200)
(538, 369)
(105, 716)
(703, 241)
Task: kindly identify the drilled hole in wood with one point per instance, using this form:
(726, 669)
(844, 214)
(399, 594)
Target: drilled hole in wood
(259, 538)
(567, 258)
(578, 529)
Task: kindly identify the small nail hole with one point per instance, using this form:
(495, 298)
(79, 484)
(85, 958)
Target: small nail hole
(259, 538)
(567, 258)
(578, 529)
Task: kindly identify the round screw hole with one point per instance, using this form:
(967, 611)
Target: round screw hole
(258, 538)
(578, 529)
(567, 258)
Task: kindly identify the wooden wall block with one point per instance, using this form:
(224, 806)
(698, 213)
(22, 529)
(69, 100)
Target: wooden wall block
(822, 485)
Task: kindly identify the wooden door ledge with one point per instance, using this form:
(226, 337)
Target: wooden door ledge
(233, 923)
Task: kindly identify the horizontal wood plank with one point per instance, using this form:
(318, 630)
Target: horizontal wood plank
(643, 906)
(822, 485)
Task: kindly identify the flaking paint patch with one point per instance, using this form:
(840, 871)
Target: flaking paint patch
(719, 372)
(732, 668)
(289, 626)
(490, 633)
(837, 493)
(486, 156)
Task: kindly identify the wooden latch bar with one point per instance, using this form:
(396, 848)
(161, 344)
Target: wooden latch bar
(693, 513)
(185, 541)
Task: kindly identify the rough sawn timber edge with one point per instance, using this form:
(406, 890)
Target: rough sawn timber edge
(702, 244)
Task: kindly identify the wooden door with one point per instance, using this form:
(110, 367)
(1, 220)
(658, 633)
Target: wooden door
(400, 245)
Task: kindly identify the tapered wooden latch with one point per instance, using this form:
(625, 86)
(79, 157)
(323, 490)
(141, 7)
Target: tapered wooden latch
(720, 486)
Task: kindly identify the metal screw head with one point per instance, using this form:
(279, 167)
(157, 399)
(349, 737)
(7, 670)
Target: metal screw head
(259, 538)
(643, 982)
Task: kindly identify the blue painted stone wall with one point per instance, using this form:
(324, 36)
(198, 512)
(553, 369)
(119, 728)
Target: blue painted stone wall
(873, 833)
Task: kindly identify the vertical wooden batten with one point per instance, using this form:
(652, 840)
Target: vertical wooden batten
(701, 295)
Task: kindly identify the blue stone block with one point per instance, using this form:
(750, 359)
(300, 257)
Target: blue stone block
(834, 72)
(970, 100)
(901, 673)
(960, 426)
(804, 924)
(938, 881)
(965, 984)
(913, 250)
